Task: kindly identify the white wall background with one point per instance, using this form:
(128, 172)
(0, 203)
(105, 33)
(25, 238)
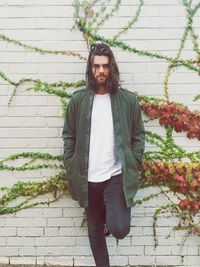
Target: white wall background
(33, 122)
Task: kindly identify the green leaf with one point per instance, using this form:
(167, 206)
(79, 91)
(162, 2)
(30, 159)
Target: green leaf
(89, 12)
(82, 21)
(85, 4)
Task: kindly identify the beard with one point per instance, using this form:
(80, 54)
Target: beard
(97, 82)
(100, 80)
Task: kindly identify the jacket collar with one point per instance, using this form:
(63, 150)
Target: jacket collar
(91, 92)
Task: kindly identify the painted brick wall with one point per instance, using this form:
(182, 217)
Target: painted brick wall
(53, 234)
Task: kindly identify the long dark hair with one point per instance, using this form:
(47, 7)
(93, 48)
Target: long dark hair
(113, 80)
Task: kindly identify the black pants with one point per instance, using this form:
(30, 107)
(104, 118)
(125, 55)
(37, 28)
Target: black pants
(106, 205)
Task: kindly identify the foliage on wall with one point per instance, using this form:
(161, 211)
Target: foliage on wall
(170, 167)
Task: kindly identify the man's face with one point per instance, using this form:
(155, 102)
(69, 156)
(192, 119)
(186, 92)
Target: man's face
(100, 69)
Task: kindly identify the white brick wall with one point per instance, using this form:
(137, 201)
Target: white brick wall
(52, 235)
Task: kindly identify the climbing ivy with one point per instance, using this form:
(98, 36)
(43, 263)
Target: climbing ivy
(165, 167)
(40, 50)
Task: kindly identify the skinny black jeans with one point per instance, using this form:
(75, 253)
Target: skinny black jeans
(106, 205)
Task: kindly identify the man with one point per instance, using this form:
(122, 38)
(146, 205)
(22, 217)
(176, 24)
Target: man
(103, 150)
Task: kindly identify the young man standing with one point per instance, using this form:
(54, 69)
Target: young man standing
(103, 150)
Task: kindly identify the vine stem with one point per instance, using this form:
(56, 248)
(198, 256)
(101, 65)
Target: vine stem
(125, 47)
(41, 50)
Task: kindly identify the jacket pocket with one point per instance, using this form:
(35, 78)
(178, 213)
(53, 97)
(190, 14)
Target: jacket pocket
(71, 189)
(70, 165)
(134, 160)
(72, 173)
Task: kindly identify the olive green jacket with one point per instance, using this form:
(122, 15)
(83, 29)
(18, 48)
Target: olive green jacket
(129, 139)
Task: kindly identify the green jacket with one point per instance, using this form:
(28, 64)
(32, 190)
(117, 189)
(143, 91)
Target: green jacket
(129, 138)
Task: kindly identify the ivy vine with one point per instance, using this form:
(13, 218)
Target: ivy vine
(165, 167)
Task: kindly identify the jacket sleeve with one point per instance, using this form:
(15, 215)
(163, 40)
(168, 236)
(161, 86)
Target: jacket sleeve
(69, 132)
(137, 133)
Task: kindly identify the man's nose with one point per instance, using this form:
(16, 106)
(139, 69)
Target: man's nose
(101, 70)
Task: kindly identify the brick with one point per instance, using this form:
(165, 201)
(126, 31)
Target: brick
(49, 251)
(20, 241)
(139, 221)
(47, 111)
(61, 202)
(83, 261)
(51, 231)
(63, 251)
(20, 101)
(61, 241)
(4, 132)
(29, 212)
(185, 250)
(158, 2)
(15, 11)
(173, 241)
(136, 250)
(55, 261)
(19, 111)
(138, 210)
(27, 251)
(147, 260)
(193, 260)
(75, 212)
(34, 174)
(159, 250)
(151, 202)
(147, 230)
(110, 240)
(125, 242)
(113, 250)
(136, 231)
(78, 221)
(73, 231)
(13, 143)
(83, 241)
(33, 132)
(54, 241)
(37, 142)
(8, 231)
(26, 222)
(52, 212)
(9, 251)
(2, 221)
(162, 231)
(146, 11)
(22, 260)
(193, 241)
(55, 143)
(164, 221)
(60, 222)
(141, 241)
(171, 260)
(30, 231)
(54, 122)
(119, 261)
(53, 101)
(4, 260)
(21, 121)
(2, 241)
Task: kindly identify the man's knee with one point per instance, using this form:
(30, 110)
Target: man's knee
(119, 231)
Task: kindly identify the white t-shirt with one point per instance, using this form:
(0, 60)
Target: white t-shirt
(103, 159)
